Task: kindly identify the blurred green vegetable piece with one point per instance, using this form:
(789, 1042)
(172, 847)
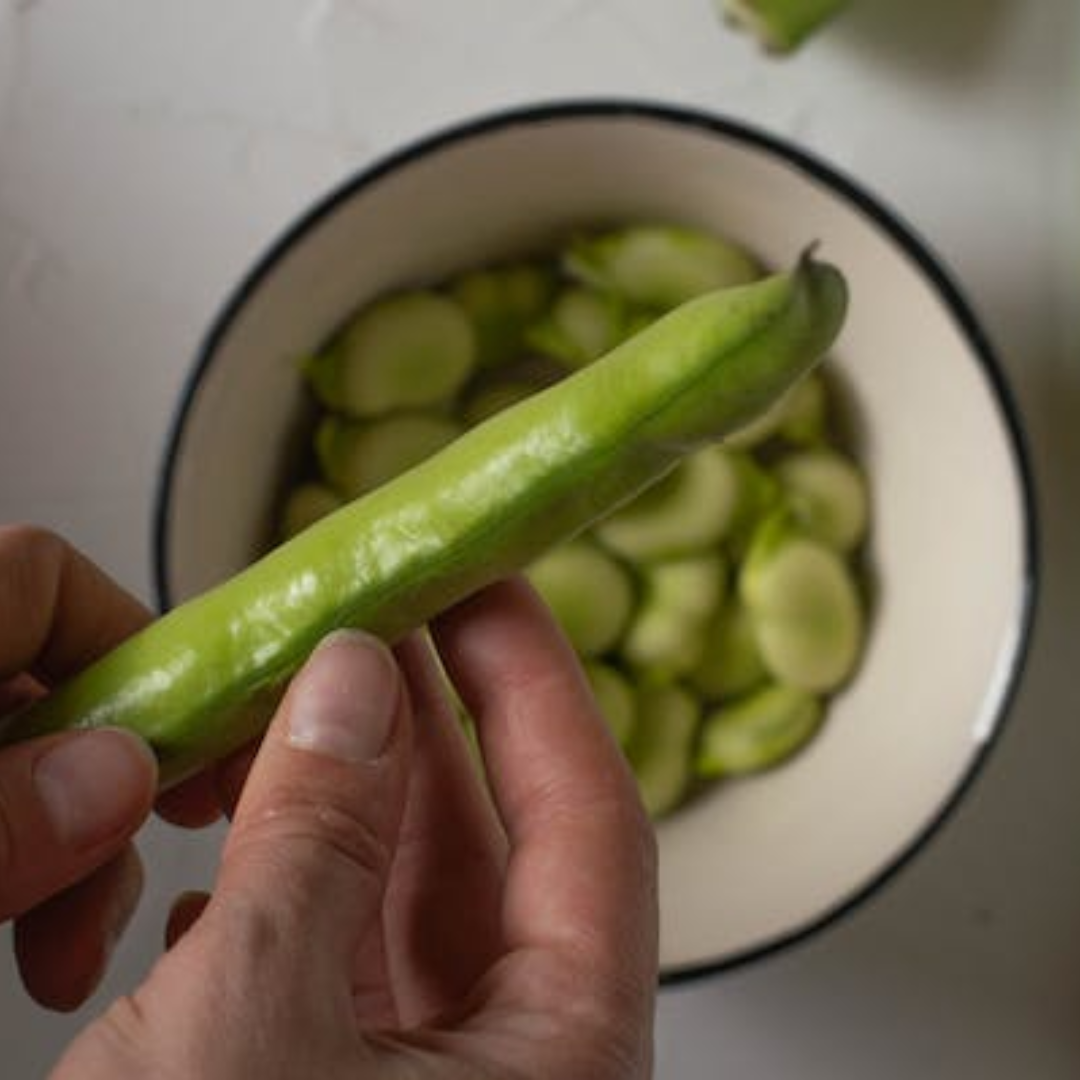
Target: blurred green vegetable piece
(659, 266)
(581, 325)
(805, 607)
(661, 749)
(689, 511)
(409, 350)
(501, 302)
(203, 679)
(589, 593)
(730, 662)
(356, 456)
(615, 697)
(679, 598)
(781, 26)
(828, 497)
(756, 732)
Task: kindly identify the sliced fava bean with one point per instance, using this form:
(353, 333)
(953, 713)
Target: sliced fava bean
(687, 512)
(357, 457)
(615, 697)
(659, 266)
(406, 351)
(581, 325)
(828, 496)
(589, 592)
(679, 598)
(730, 663)
(757, 496)
(661, 749)
(501, 302)
(805, 607)
(757, 731)
(306, 504)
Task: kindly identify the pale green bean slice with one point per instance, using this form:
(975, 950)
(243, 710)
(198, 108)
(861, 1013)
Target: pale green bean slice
(757, 732)
(679, 597)
(358, 457)
(590, 593)
(828, 496)
(408, 350)
(730, 663)
(805, 607)
(659, 266)
(581, 325)
(501, 302)
(615, 697)
(661, 748)
(687, 512)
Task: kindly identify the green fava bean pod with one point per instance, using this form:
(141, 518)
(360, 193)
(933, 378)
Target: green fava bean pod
(203, 679)
(781, 25)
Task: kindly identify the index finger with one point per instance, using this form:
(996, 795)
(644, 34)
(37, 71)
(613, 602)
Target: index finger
(62, 611)
(580, 885)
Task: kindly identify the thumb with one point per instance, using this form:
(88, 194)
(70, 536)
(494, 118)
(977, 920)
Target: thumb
(68, 804)
(306, 862)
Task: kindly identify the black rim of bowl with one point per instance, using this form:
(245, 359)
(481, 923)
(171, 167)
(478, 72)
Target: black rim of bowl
(884, 219)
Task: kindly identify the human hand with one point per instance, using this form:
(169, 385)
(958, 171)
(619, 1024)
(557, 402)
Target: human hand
(68, 803)
(377, 913)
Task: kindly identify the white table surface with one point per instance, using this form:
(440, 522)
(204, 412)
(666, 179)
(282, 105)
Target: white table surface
(150, 149)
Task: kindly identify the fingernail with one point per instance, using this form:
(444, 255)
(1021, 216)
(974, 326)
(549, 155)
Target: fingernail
(92, 785)
(343, 703)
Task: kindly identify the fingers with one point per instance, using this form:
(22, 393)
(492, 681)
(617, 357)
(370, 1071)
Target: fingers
(305, 865)
(68, 804)
(193, 803)
(443, 906)
(581, 879)
(63, 945)
(69, 611)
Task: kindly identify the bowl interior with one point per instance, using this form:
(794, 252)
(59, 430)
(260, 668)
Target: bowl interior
(759, 860)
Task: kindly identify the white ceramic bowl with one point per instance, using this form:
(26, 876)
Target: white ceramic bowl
(757, 863)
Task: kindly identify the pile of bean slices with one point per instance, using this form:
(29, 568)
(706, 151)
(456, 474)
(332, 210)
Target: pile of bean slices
(717, 613)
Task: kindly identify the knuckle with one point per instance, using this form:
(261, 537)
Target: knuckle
(320, 833)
